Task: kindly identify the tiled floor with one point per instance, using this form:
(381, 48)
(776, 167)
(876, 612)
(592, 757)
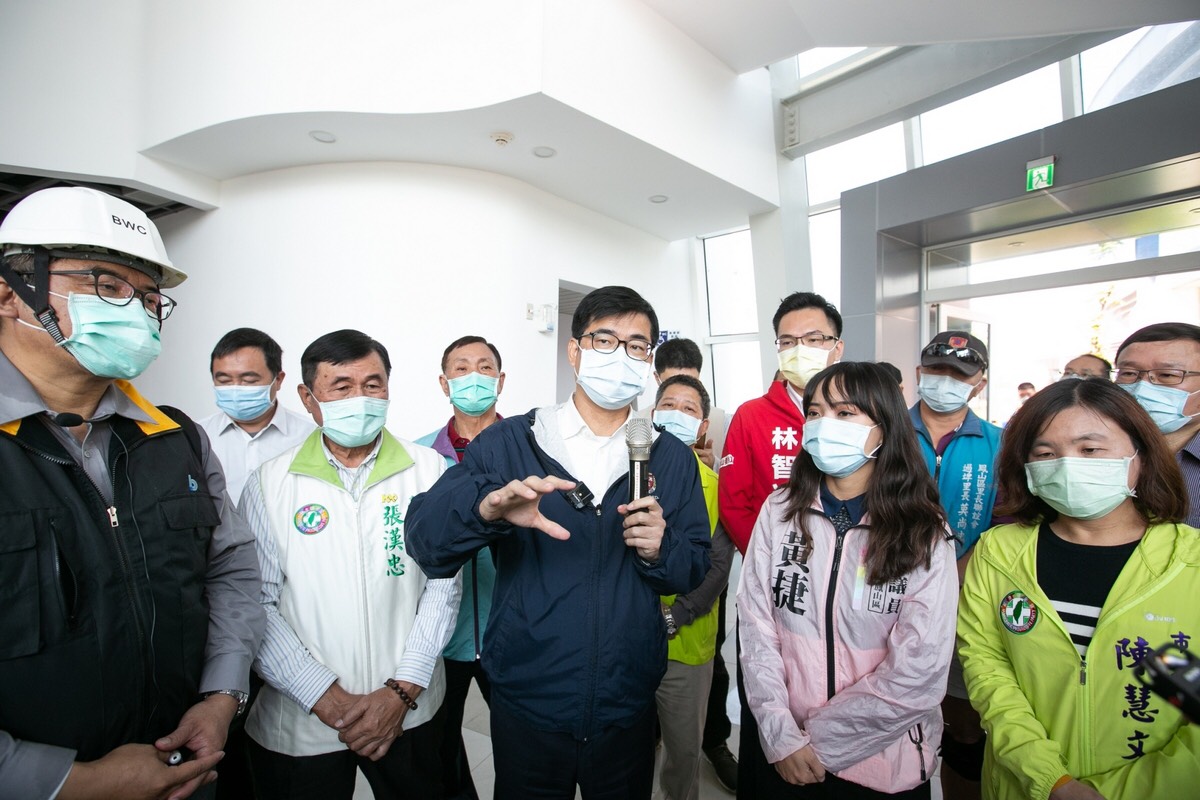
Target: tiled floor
(476, 733)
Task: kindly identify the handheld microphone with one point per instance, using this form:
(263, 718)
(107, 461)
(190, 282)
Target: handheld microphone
(638, 438)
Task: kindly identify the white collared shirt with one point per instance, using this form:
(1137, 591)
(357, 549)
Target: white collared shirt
(797, 397)
(241, 453)
(598, 461)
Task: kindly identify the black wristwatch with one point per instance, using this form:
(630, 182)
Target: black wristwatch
(242, 698)
(672, 628)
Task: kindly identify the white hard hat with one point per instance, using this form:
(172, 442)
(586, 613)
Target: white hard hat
(76, 218)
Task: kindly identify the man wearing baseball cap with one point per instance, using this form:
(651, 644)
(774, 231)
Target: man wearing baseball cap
(960, 450)
(129, 611)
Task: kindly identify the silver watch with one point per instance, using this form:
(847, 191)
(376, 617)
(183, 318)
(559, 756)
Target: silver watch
(242, 698)
(672, 627)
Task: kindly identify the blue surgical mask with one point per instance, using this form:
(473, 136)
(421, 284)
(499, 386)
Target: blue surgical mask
(354, 421)
(943, 393)
(612, 380)
(109, 341)
(1164, 404)
(837, 447)
(678, 424)
(473, 393)
(1080, 488)
(244, 403)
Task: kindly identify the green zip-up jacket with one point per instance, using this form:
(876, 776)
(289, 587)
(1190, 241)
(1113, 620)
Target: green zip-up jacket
(1048, 713)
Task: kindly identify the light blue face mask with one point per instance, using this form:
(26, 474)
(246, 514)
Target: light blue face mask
(109, 341)
(244, 403)
(355, 421)
(612, 380)
(1164, 404)
(678, 424)
(473, 393)
(1080, 488)
(943, 393)
(837, 446)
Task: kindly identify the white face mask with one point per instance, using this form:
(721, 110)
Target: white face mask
(612, 380)
(943, 393)
(800, 363)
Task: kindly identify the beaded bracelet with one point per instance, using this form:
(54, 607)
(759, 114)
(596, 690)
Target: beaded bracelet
(392, 684)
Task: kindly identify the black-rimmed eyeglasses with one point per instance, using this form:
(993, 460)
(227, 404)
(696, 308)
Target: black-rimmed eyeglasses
(637, 349)
(117, 291)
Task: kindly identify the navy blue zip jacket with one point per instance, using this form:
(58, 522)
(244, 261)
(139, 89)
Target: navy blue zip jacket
(575, 642)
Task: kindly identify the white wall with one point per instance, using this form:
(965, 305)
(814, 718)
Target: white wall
(414, 255)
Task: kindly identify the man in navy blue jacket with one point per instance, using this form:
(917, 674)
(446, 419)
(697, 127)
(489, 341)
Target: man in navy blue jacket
(575, 646)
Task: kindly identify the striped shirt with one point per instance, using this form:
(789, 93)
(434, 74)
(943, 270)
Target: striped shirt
(1189, 465)
(1077, 579)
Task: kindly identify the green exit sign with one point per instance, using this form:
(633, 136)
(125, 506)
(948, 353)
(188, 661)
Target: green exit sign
(1039, 174)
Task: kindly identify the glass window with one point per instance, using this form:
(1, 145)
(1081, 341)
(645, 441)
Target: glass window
(855, 162)
(825, 244)
(737, 374)
(1024, 104)
(1097, 65)
(1165, 230)
(816, 59)
(1138, 63)
(1072, 321)
(729, 270)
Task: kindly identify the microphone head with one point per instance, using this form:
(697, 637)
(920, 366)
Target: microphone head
(639, 435)
(67, 420)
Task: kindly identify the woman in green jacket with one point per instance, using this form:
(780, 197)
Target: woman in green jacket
(1057, 609)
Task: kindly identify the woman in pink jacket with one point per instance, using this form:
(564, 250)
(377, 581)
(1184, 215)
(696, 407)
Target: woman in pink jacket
(847, 605)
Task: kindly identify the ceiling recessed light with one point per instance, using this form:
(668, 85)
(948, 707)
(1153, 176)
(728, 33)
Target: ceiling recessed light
(324, 137)
(545, 152)
(501, 138)
(658, 198)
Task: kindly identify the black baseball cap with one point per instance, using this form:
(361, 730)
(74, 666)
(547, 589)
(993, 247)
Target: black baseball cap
(959, 350)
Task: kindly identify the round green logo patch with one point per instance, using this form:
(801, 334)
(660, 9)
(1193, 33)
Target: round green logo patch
(1017, 612)
(311, 519)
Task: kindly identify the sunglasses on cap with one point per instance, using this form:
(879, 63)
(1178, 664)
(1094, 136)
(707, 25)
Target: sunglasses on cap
(964, 354)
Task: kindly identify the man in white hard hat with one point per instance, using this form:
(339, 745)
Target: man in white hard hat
(129, 611)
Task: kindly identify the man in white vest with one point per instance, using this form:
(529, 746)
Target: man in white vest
(355, 630)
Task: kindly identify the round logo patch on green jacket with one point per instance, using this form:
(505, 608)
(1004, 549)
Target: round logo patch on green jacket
(1017, 612)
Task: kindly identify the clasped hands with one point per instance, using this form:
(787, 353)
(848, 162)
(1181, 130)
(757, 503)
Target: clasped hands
(801, 767)
(366, 723)
(518, 501)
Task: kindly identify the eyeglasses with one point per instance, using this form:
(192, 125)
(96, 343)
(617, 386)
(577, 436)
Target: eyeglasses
(120, 292)
(964, 354)
(636, 349)
(811, 339)
(1162, 377)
